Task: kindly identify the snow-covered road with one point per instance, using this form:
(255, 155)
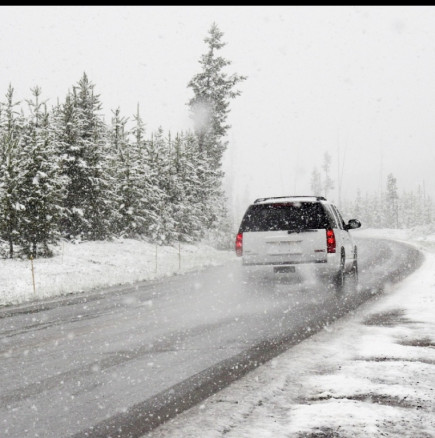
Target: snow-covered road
(104, 358)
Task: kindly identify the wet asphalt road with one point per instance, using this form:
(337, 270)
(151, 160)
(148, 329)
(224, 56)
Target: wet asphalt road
(121, 361)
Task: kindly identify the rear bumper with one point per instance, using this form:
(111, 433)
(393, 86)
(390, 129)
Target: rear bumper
(325, 266)
(281, 263)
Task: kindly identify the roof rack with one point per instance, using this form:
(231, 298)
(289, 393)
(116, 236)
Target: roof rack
(318, 198)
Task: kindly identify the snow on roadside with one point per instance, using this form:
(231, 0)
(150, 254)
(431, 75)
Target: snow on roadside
(88, 265)
(372, 373)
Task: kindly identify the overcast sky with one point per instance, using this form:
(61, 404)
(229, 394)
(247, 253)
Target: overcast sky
(358, 82)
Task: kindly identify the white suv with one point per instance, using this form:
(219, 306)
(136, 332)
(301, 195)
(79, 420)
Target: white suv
(293, 232)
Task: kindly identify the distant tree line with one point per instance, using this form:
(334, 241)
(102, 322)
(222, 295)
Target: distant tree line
(65, 173)
(387, 209)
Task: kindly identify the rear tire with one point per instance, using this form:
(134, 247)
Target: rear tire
(354, 271)
(339, 278)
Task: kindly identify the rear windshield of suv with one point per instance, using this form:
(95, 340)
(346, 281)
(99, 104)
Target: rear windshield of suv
(284, 216)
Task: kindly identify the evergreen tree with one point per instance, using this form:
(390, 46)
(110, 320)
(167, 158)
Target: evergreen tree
(408, 209)
(130, 177)
(120, 170)
(188, 211)
(419, 208)
(392, 210)
(156, 200)
(179, 190)
(84, 161)
(213, 89)
(138, 133)
(358, 204)
(162, 173)
(328, 183)
(376, 211)
(316, 183)
(145, 177)
(11, 123)
(428, 210)
(40, 188)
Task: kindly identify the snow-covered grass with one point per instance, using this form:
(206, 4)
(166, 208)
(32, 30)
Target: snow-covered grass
(88, 265)
(371, 374)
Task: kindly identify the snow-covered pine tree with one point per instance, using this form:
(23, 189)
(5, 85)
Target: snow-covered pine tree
(407, 207)
(138, 132)
(72, 166)
(119, 169)
(316, 183)
(11, 125)
(328, 183)
(40, 187)
(145, 178)
(209, 194)
(392, 202)
(213, 89)
(178, 198)
(156, 202)
(428, 210)
(129, 172)
(419, 213)
(83, 150)
(350, 209)
(169, 185)
(187, 211)
(374, 212)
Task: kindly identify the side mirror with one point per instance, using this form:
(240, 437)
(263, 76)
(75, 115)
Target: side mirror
(352, 224)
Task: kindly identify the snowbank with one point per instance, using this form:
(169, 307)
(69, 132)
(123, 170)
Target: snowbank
(89, 265)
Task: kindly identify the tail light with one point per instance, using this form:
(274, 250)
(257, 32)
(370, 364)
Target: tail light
(330, 241)
(239, 244)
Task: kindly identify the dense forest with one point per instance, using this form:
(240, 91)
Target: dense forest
(65, 173)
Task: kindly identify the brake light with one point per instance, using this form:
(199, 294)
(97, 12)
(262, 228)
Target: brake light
(239, 244)
(330, 241)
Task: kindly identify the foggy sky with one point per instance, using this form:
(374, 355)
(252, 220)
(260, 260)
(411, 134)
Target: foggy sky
(357, 82)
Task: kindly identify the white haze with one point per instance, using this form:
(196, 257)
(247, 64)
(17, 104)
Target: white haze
(201, 113)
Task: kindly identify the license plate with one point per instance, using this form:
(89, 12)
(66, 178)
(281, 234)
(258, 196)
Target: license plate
(284, 269)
